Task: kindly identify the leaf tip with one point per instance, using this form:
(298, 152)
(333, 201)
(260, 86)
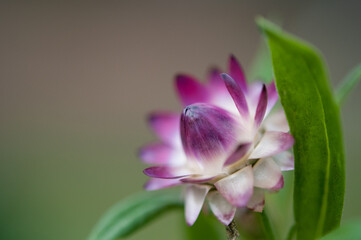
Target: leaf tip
(266, 26)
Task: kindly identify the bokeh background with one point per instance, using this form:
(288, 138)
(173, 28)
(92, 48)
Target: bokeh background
(78, 78)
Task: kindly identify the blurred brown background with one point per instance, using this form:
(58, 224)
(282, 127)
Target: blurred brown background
(76, 80)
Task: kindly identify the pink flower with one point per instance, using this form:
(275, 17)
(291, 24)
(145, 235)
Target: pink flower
(225, 146)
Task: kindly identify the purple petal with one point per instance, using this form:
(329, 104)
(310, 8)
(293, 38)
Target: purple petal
(237, 94)
(238, 154)
(156, 153)
(214, 78)
(238, 187)
(254, 90)
(207, 132)
(267, 174)
(256, 203)
(166, 172)
(166, 126)
(190, 90)
(159, 183)
(272, 96)
(285, 160)
(194, 198)
(272, 143)
(279, 184)
(261, 107)
(222, 209)
(218, 93)
(236, 73)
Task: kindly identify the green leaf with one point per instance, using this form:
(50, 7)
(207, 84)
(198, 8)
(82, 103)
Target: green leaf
(134, 212)
(348, 84)
(206, 227)
(314, 120)
(348, 231)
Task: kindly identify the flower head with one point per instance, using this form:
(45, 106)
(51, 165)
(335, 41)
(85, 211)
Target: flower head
(225, 146)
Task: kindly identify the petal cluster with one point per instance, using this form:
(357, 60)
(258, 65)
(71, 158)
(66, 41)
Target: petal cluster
(227, 146)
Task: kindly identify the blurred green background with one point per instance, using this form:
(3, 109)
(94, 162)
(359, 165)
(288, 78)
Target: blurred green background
(77, 79)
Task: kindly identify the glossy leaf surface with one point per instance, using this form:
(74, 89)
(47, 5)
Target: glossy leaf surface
(314, 120)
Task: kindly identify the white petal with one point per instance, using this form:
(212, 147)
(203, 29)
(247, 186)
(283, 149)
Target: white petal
(267, 174)
(276, 121)
(222, 209)
(256, 203)
(272, 96)
(159, 183)
(194, 198)
(285, 160)
(238, 187)
(254, 92)
(272, 143)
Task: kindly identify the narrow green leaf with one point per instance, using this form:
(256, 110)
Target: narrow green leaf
(133, 213)
(348, 84)
(348, 231)
(314, 120)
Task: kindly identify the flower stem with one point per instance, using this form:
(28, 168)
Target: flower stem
(232, 232)
(267, 226)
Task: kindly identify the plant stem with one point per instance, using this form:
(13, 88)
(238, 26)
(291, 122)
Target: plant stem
(292, 232)
(267, 226)
(232, 232)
